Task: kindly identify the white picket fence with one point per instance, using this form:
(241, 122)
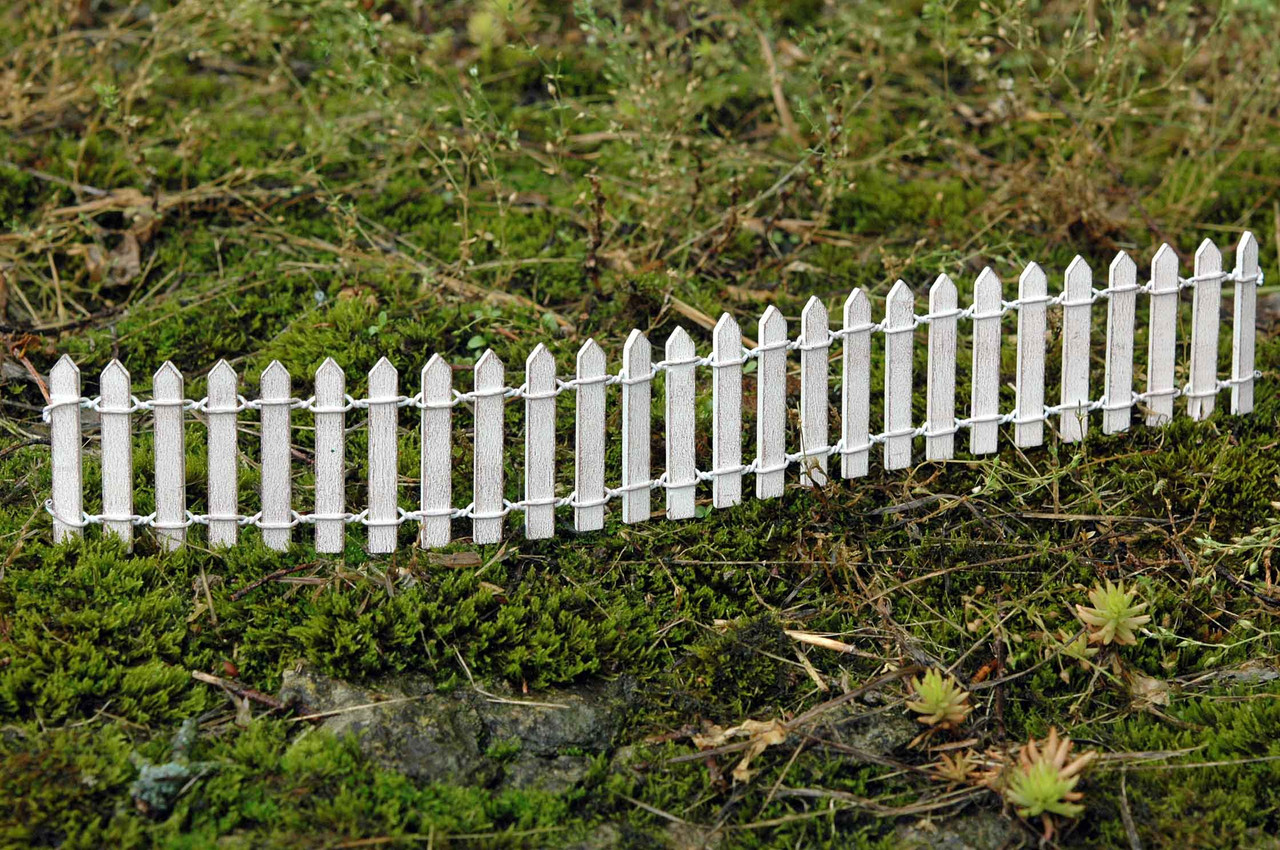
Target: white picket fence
(542, 388)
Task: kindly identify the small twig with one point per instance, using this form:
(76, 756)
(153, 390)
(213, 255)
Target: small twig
(297, 568)
(1130, 829)
(238, 690)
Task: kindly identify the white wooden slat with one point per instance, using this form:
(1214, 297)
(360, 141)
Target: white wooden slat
(588, 472)
(771, 405)
(540, 444)
(899, 337)
(436, 472)
(940, 400)
(489, 388)
(1162, 337)
(682, 475)
(65, 445)
(815, 344)
(984, 406)
(1033, 293)
(382, 520)
(170, 457)
(636, 394)
(223, 462)
(117, 451)
(726, 406)
(1077, 308)
(1206, 302)
(1122, 300)
(275, 390)
(855, 392)
(1243, 330)
(330, 416)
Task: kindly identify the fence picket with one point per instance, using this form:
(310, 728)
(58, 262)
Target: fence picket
(383, 518)
(65, 444)
(814, 345)
(682, 475)
(588, 473)
(1242, 330)
(1206, 301)
(221, 414)
(1162, 338)
(486, 523)
(940, 405)
(636, 394)
(726, 405)
(170, 457)
(855, 394)
(117, 452)
(1077, 303)
(330, 416)
(436, 462)
(984, 407)
(540, 444)
(1122, 298)
(771, 405)
(1033, 293)
(277, 486)
(899, 336)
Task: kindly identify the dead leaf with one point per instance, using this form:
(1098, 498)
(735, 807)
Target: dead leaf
(1145, 690)
(126, 259)
(761, 735)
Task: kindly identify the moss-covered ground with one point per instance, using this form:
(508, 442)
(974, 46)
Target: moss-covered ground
(254, 180)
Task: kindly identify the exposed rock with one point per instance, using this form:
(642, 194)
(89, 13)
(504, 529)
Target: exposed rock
(432, 736)
(874, 732)
(977, 831)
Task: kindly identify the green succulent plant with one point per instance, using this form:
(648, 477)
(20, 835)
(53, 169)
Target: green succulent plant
(1114, 615)
(940, 701)
(1043, 782)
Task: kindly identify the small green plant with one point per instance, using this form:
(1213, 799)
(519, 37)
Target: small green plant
(1114, 616)
(940, 701)
(1043, 782)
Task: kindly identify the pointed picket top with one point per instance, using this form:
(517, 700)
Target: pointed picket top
(898, 303)
(540, 358)
(223, 372)
(437, 371)
(166, 378)
(489, 368)
(1208, 253)
(680, 344)
(1123, 264)
(590, 356)
(636, 341)
(115, 375)
(987, 284)
(1033, 282)
(857, 309)
(1247, 254)
(63, 372)
(274, 375)
(329, 369)
(1078, 283)
(813, 317)
(1164, 269)
(942, 295)
(726, 333)
(382, 372)
(771, 321)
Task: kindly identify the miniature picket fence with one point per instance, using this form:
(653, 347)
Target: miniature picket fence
(681, 479)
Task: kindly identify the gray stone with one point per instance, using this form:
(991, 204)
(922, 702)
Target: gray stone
(980, 830)
(442, 737)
